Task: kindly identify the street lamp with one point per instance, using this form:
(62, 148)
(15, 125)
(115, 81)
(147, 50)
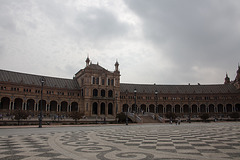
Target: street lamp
(156, 94)
(116, 104)
(42, 79)
(126, 112)
(135, 97)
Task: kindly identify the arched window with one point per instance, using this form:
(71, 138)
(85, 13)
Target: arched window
(102, 93)
(194, 108)
(5, 102)
(94, 108)
(110, 93)
(53, 105)
(110, 108)
(186, 109)
(74, 106)
(202, 108)
(102, 108)
(30, 104)
(95, 93)
(168, 108)
(64, 106)
(18, 103)
(112, 82)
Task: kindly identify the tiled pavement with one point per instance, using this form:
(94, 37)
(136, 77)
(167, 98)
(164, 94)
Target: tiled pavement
(159, 141)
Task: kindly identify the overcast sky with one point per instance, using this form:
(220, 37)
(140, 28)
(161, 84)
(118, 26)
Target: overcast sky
(154, 41)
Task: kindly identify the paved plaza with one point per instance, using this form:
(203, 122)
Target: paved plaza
(120, 142)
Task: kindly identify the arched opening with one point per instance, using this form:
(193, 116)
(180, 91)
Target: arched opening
(143, 108)
(177, 108)
(43, 105)
(157, 109)
(102, 108)
(160, 108)
(30, 104)
(110, 108)
(74, 107)
(237, 106)
(194, 108)
(169, 108)
(229, 108)
(186, 109)
(95, 108)
(18, 104)
(220, 108)
(53, 106)
(5, 102)
(95, 93)
(151, 108)
(102, 93)
(202, 108)
(211, 108)
(134, 108)
(125, 108)
(110, 93)
(64, 106)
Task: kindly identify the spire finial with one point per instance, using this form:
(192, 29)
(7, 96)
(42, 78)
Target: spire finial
(87, 61)
(116, 65)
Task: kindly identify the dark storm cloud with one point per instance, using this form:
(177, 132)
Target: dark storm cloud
(192, 33)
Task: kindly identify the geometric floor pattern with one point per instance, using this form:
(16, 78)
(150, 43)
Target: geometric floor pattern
(159, 141)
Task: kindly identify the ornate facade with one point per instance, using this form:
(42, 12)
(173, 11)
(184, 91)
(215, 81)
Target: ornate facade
(96, 91)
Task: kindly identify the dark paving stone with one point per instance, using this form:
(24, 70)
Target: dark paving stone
(49, 155)
(149, 142)
(14, 157)
(11, 152)
(234, 155)
(148, 147)
(199, 144)
(41, 150)
(224, 147)
(184, 147)
(168, 150)
(159, 144)
(209, 151)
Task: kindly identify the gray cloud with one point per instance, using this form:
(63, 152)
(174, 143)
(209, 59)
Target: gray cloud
(192, 33)
(167, 41)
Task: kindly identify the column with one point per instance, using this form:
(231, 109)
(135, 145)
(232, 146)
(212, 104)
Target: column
(23, 106)
(98, 110)
(60, 108)
(13, 104)
(37, 107)
(10, 106)
(68, 108)
(106, 110)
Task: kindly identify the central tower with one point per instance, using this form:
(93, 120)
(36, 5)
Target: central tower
(100, 90)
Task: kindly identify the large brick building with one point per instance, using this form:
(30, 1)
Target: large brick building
(96, 91)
